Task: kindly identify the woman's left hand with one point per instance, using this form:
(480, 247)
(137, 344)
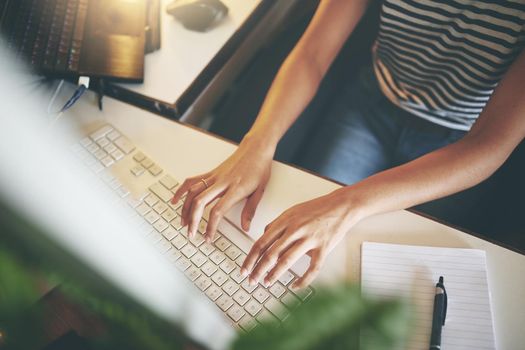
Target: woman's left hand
(313, 227)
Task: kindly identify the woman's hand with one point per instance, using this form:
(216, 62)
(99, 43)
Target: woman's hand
(313, 227)
(243, 175)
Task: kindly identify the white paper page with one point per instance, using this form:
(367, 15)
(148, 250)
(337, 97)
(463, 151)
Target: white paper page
(391, 270)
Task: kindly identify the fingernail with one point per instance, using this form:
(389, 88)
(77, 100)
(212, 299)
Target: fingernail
(266, 282)
(252, 282)
(244, 272)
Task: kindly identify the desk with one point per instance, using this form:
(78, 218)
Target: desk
(185, 151)
(189, 63)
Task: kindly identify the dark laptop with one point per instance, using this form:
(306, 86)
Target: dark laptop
(71, 38)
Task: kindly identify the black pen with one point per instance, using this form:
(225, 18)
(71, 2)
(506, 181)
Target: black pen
(439, 315)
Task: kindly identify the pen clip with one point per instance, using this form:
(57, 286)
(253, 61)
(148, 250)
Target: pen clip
(442, 286)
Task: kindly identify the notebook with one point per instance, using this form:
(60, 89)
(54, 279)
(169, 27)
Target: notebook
(392, 270)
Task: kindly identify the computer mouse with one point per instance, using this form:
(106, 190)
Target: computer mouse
(198, 15)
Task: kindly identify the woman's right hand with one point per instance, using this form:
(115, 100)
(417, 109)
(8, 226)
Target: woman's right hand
(243, 175)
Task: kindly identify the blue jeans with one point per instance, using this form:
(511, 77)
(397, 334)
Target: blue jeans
(363, 133)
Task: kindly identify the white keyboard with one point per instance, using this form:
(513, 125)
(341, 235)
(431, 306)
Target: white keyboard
(145, 190)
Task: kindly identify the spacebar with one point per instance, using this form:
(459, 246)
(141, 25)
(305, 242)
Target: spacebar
(161, 191)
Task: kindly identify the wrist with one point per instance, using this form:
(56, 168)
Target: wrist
(260, 142)
(355, 205)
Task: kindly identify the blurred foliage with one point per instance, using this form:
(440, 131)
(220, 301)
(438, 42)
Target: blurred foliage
(335, 318)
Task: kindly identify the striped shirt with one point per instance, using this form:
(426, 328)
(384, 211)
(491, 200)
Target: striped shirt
(441, 60)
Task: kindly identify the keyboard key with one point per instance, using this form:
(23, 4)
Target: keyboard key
(217, 257)
(86, 141)
(132, 202)
(155, 170)
(100, 154)
(202, 226)
(139, 157)
(260, 294)
(253, 307)
(154, 236)
(230, 287)
(219, 278)
(203, 283)
(248, 323)
(109, 148)
(168, 215)
(236, 313)
(117, 154)
(224, 302)
(286, 278)
(143, 209)
(113, 135)
(236, 276)
(241, 297)
(173, 255)
(303, 293)
(199, 259)
(266, 316)
(107, 161)
(137, 170)
(277, 289)
(179, 241)
(207, 249)
(183, 264)
(146, 162)
(93, 148)
(290, 301)
(222, 243)
(233, 252)
(227, 266)
(276, 308)
(122, 192)
(209, 268)
(168, 182)
(177, 223)
(161, 191)
(188, 250)
(247, 286)
(169, 233)
(103, 131)
(160, 225)
(151, 200)
(160, 207)
(213, 292)
(163, 245)
(193, 273)
(103, 142)
(152, 217)
(240, 260)
(197, 240)
(124, 144)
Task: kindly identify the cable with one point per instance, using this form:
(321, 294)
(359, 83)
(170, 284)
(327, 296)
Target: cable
(83, 85)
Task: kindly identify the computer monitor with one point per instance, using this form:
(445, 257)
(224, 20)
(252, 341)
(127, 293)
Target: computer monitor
(69, 223)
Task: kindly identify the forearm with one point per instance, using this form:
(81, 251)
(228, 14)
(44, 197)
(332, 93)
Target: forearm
(293, 88)
(443, 172)
(300, 75)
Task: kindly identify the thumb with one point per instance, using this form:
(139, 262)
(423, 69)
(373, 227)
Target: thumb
(249, 208)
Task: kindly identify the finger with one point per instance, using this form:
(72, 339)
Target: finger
(198, 205)
(186, 185)
(249, 208)
(193, 191)
(224, 204)
(272, 233)
(313, 270)
(270, 257)
(286, 260)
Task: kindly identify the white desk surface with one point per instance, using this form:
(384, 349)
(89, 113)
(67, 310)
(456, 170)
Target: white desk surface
(184, 54)
(184, 152)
